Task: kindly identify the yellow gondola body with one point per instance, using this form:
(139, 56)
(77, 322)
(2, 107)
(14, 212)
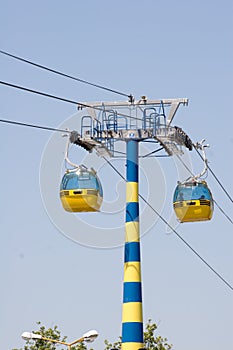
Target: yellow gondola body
(193, 202)
(84, 200)
(81, 191)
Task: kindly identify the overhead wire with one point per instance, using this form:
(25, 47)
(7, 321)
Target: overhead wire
(158, 156)
(218, 181)
(7, 121)
(186, 167)
(149, 154)
(175, 231)
(66, 75)
(79, 104)
(49, 95)
(14, 122)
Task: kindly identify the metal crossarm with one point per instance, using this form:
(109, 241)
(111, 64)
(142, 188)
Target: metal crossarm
(124, 120)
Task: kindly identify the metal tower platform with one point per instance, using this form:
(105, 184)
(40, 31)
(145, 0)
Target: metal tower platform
(109, 122)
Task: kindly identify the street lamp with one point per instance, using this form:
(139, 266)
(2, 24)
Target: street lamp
(87, 337)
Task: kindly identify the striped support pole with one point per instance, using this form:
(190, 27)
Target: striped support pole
(132, 322)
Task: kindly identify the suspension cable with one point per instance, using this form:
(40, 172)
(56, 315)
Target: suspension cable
(79, 104)
(223, 188)
(149, 154)
(177, 234)
(130, 96)
(34, 126)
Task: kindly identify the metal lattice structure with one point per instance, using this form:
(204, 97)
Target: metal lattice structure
(107, 123)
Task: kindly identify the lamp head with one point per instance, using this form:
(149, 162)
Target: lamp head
(28, 335)
(90, 336)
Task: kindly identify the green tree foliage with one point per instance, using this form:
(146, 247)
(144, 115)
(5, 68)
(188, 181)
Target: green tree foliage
(151, 341)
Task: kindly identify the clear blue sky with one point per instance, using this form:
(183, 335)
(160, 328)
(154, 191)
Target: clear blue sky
(161, 49)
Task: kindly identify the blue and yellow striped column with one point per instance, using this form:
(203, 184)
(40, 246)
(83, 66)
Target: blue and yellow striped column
(132, 320)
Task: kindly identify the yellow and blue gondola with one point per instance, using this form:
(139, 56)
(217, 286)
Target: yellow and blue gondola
(81, 191)
(193, 201)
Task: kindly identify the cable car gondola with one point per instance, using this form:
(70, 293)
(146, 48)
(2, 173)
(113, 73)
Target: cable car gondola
(192, 200)
(81, 190)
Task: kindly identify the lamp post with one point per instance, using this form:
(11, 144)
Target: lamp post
(87, 337)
